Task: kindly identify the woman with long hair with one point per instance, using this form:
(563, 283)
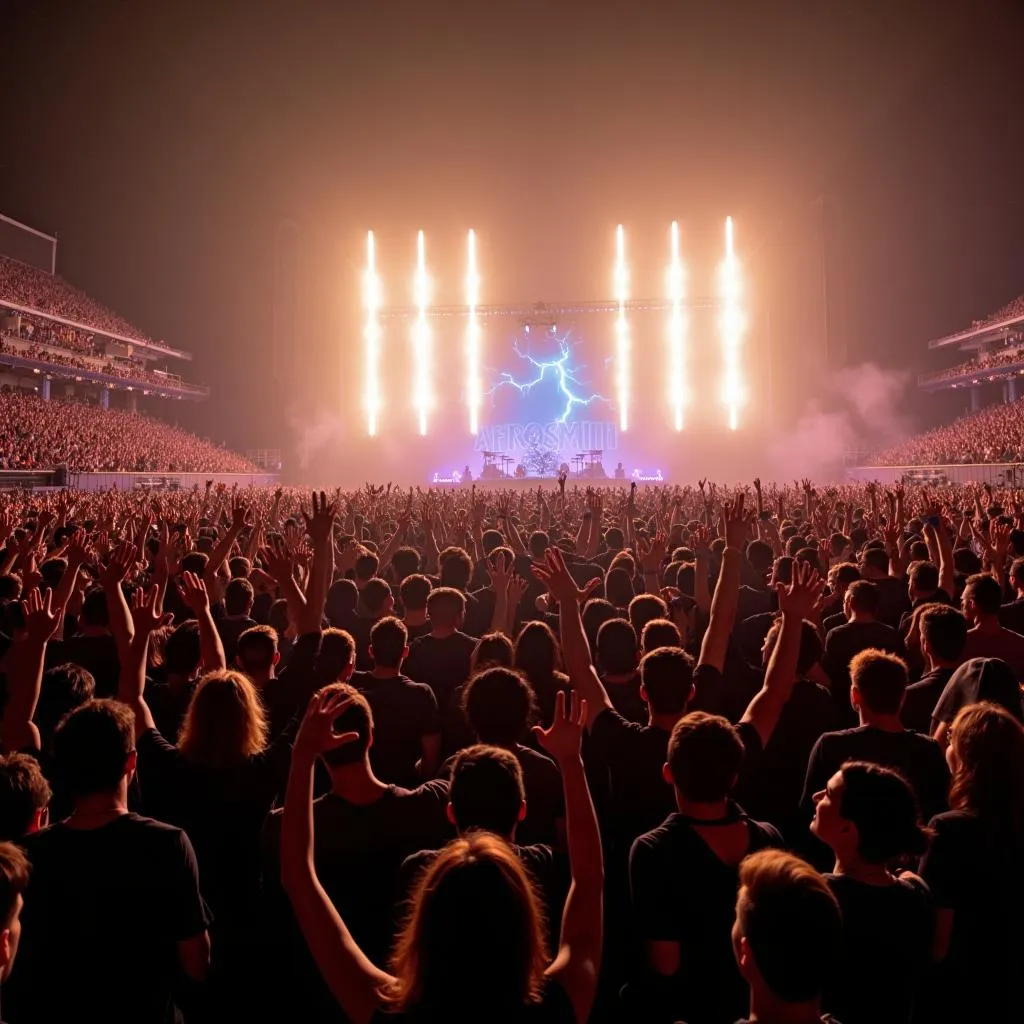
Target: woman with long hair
(973, 870)
(538, 656)
(218, 782)
(472, 946)
(868, 815)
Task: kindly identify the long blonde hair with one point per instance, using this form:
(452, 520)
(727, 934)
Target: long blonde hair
(225, 722)
(475, 931)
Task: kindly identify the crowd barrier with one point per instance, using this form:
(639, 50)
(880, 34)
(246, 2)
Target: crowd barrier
(999, 474)
(10, 479)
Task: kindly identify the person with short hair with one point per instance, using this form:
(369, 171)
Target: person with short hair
(618, 660)
(943, 637)
(441, 658)
(862, 631)
(499, 706)
(879, 682)
(987, 638)
(787, 938)
(364, 829)
(107, 885)
(24, 797)
(868, 816)
(407, 743)
(413, 593)
(486, 792)
(237, 618)
(684, 876)
(256, 654)
(473, 943)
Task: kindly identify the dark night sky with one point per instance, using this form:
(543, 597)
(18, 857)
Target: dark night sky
(164, 141)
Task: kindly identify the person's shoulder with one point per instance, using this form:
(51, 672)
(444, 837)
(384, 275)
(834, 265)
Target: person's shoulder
(610, 723)
(434, 791)
(658, 839)
(953, 823)
(528, 755)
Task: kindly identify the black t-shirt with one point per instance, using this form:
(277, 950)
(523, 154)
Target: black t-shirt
(555, 1007)
(682, 892)
(887, 938)
(547, 870)
(632, 754)
(919, 759)
(403, 713)
(1011, 616)
(842, 644)
(545, 796)
(921, 697)
(229, 630)
(358, 852)
(772, 792)
(441, 663)
(893, 599)
(626, 699)
(973, 868)
(103, 913)
(168, 703)
(98, 654)
(222, 810)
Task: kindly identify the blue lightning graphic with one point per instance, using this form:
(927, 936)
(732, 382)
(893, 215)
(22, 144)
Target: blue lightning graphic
(563, 373)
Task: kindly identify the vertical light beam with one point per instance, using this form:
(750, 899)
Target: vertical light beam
(422, 399)
(472, 336)
(731, 325)
(371, 336)
(675, 286)
(622, 381)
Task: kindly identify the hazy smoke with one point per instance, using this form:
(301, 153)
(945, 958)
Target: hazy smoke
(863, 408)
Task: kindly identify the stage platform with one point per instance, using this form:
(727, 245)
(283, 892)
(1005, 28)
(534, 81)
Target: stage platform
(531, 483)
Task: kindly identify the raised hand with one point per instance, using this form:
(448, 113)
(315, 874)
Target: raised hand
(121, 560)
(516, 588)
(77, 552)
(801, 596)
(192, 591)
(551, 571)
(40, 618)
(317, 734)
(499, 572)
(562, 741)
(320, 524)
(652, 552)
(146, 614)
(279, 561)
(241, 514)
(735, 523)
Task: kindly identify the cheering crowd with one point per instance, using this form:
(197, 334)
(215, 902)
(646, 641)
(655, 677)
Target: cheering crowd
(26, 285)
(996, 434)
(37, 434)
(659, 754)
(989, 361)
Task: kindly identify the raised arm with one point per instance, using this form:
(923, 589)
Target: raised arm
(715, 645)
(112, 575)
(192, 591)
(578, 962)
(321, 527)
(240, 517)
(353, 980)
(575, 649)
(146, 617)
(796, 602)
(25, 673)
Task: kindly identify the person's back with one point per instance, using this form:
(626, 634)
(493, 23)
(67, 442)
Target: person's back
(441, 659)
(684, 876)
(973, 867)
(113, 910)
(987, 638)
(867, 818)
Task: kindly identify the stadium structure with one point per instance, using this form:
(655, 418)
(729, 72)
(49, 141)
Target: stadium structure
(994, 349)
(54, 336)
